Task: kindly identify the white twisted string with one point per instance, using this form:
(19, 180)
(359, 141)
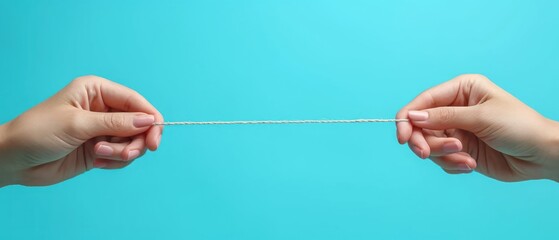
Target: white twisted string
(366, 120)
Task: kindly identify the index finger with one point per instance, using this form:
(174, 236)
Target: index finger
(125, 99)
(442, 95)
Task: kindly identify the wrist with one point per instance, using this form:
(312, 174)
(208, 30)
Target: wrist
(551, 157)
(8, 175)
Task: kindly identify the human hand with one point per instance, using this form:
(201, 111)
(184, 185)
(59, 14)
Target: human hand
(469, 123)
(92, 122)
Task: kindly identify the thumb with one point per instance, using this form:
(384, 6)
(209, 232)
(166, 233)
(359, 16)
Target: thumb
(117, 124)
(441, 118)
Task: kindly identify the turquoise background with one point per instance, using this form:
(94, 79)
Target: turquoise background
(239, 60)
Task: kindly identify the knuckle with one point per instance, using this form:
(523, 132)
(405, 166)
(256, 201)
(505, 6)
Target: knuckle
(84, 79)
(124, 157)
(483, 120)
(87, 80)
(130, 100)
(400, 114)
(74, 122)
(474, 78)
(481, 113)
(114, 121)
(446, 115)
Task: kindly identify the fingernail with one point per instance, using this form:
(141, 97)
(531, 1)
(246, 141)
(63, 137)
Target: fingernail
(463, 167)
(418, 115)
(451, 147)
(99, 164)
(143, 121)
(104, 150)
(133, 154)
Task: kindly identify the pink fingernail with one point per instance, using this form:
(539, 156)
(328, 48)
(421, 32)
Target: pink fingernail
(463, 167)
(99, 164)
(104, 150)
(133, 154)
(143, 121)
(451, 147)
(418, 115)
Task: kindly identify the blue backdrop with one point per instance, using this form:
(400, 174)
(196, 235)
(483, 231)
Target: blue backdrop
(242, 60)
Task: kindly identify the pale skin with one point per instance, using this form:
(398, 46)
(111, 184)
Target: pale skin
(91, 123)
(463, 125)
(469, 123)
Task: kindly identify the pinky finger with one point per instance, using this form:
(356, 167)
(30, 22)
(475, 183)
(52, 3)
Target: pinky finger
(110, 164)
(457, 171)
(456, 163)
